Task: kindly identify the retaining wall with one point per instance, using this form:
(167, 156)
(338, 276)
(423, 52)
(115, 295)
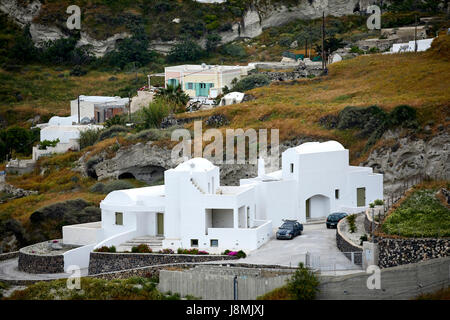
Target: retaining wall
(346, 246)
(401, 282)
(101, 262)
(394, 252)
(34, 263)
(9, 255)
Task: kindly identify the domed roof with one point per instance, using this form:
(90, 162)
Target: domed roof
(313, 147)
(195, 165)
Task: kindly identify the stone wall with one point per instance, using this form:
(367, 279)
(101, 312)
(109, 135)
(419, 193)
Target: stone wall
(395, 252)
(34, 263)
(345, 246)
(9, 255)
(101, 262)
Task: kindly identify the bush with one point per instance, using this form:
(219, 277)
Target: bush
(88, 137)
(351, 221)
(303, 285)
(142, 248)
(116, 120)
(363, 238)
(152, 116)
(185, 51)
(111, 249)
(99, 187)
(111, 132)
(166, 251)
(378, 202)
(404, 116)
(234, 50)
(117, 185)
(151, 135)
(48, 143)
(251, 82)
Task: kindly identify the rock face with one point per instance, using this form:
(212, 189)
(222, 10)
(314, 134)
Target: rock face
(410, 157)
(251, 25)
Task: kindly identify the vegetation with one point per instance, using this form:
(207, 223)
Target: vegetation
(173, 96)
(351, 222)
(111, 249)
(48, 143)
(142, 248)
(421, 214)
(17, 141)
(303, 285)
(250, 82)
(136, 288)
(88, 137)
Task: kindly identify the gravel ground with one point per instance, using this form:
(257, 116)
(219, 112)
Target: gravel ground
(49, 248)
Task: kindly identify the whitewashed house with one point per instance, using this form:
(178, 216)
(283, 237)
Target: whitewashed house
(192, 209)
(63, 129)
(87, 105)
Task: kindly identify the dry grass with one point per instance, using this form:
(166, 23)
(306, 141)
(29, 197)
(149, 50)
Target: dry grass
(45, 93)
(442, 294)
(417, 79)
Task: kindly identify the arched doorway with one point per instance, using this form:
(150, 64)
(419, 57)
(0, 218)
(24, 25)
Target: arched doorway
(317, 206)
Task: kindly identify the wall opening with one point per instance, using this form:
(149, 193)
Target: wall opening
(317, 206)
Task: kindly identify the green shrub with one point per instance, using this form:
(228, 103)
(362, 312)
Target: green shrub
(142, 248)
(116, 120)
(99, 187)
(117, 185)
(111, 249)
(251, 82)
(362, 239)
(151, 135)
(304, 284)
(233, 50)
(48, 143)
(152, 116)
(351, 222)
(372, 205)
(378, 202)
(404, 116)
(88, 137)
(185, 51)
(111, 132)
(241, 254)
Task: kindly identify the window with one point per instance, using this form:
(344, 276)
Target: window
(194, 242)
(336, 193)
(190, 86)
(292, 168)
(119, 218)
(214, 243)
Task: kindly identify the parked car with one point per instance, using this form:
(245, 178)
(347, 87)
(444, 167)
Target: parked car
(289, 229)
(334, 218)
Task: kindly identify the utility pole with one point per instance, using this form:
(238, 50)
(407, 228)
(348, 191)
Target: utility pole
(415, 33)
(306, 48)
(323, 40)
(129, 107)
(78, 109)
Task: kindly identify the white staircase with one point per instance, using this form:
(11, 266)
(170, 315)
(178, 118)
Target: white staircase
(154, 242)
(197, 186)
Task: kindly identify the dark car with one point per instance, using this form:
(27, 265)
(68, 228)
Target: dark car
(334, 218)
(289, 229)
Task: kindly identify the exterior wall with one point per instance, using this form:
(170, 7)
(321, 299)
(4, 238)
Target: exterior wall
(83, 234)
(34, 263)
(59, 148)
(86, 109)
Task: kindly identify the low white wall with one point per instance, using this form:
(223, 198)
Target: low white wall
(83, 234)
(117, 239)
(78, 257)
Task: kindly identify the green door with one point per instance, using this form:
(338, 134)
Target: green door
(203, 90)
(361, 197)
(160, 224)
(308, 212)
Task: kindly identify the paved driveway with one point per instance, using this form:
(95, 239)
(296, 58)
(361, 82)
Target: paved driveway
(315, 239)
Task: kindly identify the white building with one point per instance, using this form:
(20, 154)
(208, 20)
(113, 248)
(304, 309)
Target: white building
(88, 103)
(63, 129)
(192, 209)
(203, 81)
(422, 45)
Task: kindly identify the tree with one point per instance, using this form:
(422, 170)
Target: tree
(212, 41)
(185, 51)
(154, 114)
(331, 45)
(251, 82)
(173, 96)
(304, 284)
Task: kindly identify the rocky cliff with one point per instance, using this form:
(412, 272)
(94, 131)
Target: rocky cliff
(261, 15)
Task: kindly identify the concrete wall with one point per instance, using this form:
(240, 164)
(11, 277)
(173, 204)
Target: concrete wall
(402, 282)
